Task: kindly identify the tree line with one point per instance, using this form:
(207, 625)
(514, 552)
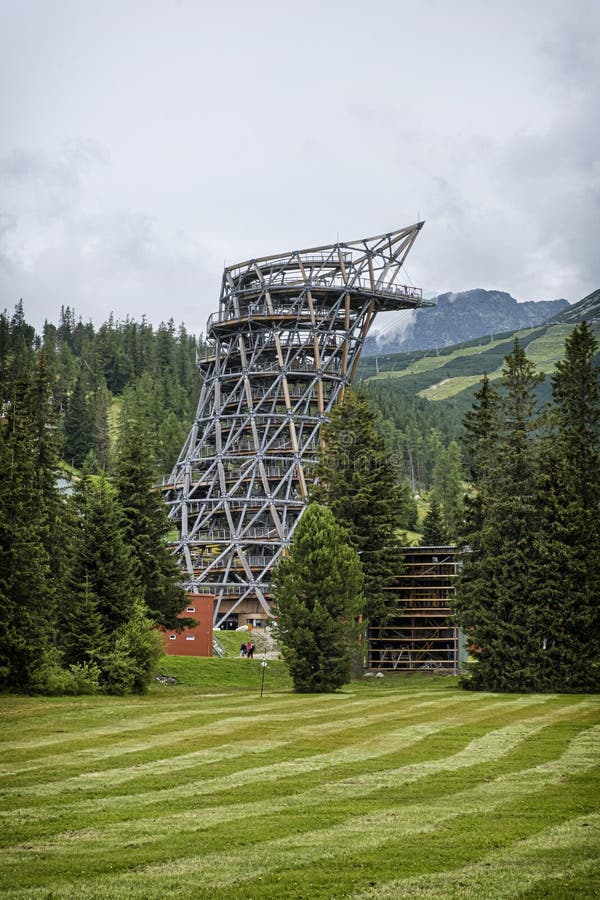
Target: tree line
(530, 583)
(84, 576)
(127, 370)
(101, 378)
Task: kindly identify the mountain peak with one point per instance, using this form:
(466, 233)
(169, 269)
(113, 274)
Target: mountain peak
(463, 316)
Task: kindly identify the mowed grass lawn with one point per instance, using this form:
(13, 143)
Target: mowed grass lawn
(394, 787)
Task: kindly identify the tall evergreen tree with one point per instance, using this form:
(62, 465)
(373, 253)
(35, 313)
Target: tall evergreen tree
(146, 527)
(565, 603)
(318, 599)
(19, 546)
(30, 554)
(480, 438)
(79, 437)
(501, 572)
(434, 526)
(480, 426)
(448, 488)
(54, 518)
(104, 579)
(82, 634)
(357, 479)
(101, 426)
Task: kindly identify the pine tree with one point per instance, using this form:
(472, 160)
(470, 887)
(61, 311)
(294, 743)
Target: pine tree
(103, 575)
(146, 527)
(101, 427)
(78, 433)
(501, 572)
(566, 605)
(434, 526)
(480, 437)
(448, 488)
(318, 599)
(358, 480)
(55, 522)
(480, 425)
(82, 635)
(27, 532)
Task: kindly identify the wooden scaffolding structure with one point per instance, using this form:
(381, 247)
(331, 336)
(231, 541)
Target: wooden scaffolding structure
(420, 634)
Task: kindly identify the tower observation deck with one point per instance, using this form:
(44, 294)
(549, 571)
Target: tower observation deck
(282, 348)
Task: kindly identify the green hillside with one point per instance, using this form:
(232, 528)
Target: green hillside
(454, 373)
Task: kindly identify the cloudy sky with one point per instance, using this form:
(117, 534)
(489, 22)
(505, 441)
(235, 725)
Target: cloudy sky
(146, 142)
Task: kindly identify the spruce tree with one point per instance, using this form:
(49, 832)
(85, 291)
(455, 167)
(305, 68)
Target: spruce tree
(448, 489)
(82, 635)
(358, 480)
(480, 438)
(480, 426)
(103, 575)
(54, 513)
(566, 605)
(78, 432)
(101, 427)
(26, 535)
(146, 528)
(434, 526)
(502, 570)
(318, 600)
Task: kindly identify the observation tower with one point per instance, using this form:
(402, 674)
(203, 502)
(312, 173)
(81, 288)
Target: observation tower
(281, 350)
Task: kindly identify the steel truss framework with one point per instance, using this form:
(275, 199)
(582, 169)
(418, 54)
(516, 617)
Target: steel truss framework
(282, 348)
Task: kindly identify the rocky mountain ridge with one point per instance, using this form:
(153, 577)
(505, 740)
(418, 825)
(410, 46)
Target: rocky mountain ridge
(460, 317)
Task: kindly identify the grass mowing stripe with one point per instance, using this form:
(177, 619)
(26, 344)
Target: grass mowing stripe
(517, 868)
(173, 738)
(231, 867)
(112, 777)
(127, 713)
(491, 747)
(375, 747)
(214, 711)
(418, 709)
(370, 749)
(228, 726)
(158, 829)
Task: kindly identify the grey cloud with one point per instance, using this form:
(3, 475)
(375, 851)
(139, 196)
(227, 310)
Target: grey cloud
(480, 118)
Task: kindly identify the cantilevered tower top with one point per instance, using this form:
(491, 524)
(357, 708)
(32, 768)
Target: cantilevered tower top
(370, 264)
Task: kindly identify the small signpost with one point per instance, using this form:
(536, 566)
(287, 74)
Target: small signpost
(264, 665)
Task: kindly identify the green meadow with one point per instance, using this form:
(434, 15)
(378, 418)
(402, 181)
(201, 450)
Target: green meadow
(393, 787)
(455, 372)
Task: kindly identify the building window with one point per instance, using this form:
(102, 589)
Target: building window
(191, 609)
(172, 637)
(190, 637)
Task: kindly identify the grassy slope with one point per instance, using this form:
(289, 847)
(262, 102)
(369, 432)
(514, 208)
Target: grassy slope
(457, 371)
(400, 787)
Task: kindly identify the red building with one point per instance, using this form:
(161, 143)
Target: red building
(195, 641)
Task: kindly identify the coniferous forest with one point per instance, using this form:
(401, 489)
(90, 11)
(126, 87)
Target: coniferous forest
(90, 419)
(529, 593)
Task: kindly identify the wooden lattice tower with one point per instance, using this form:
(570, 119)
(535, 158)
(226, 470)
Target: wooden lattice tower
(419, 632)
(282, 348)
